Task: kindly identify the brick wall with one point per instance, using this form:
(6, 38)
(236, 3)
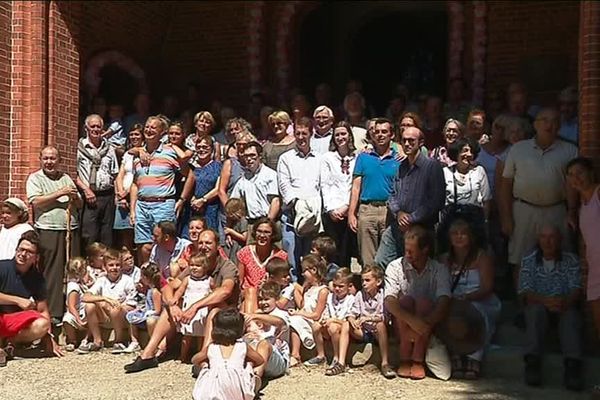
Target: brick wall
(5, 50)
(521, 31)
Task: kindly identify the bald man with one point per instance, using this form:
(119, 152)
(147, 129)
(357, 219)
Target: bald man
(534, 189)
(50, 192)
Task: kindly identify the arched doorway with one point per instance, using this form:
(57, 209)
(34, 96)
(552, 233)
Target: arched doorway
(379, 43)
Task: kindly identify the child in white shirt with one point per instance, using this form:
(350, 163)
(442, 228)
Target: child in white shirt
(107, 302)
(74, 319)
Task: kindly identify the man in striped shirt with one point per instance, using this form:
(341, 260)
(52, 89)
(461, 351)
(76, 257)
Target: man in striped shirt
(153, 190)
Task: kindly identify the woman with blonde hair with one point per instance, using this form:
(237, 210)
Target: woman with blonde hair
(204, 123)
(280, 141)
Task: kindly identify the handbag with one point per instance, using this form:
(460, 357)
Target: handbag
(471, 213)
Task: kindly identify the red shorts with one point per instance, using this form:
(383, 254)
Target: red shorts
(12, 324)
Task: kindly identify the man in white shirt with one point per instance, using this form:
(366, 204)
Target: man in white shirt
(323, 117)
(257, 186)
(298, 173)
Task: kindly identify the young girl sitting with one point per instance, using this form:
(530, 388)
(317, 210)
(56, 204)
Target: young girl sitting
(312, 298)
(193, 288)
(229, 374)
(278, 271)
(236, 228)
(95, 263)
(324, 247)
(128, 266)
(74, 319)
(148, 314)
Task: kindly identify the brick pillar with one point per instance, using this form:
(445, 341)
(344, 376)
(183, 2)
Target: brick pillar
(589, 80)
(29, 85)
(5, 94)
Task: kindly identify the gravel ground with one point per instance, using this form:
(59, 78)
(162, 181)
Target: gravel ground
(101, 376)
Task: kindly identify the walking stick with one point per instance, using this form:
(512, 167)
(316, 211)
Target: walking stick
(67, 243)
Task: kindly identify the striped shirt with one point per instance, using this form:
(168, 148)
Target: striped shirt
(158, 178)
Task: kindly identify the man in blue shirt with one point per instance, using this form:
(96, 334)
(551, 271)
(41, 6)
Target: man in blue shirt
(374, 175)
(417, 197)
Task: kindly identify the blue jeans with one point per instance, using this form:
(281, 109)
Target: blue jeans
(390, 247)
(296, 246)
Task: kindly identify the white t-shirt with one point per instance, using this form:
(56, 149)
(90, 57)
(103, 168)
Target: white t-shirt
(288, 293)
(280, 341)
(123, 290)
(9, 238)
(336, 308)
(80, 306)
(135, 274)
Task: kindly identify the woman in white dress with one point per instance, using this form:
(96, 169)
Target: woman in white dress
(14, 224)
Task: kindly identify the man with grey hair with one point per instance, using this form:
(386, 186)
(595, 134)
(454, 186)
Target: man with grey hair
(550, 285)
(97, 167)
(323, 117)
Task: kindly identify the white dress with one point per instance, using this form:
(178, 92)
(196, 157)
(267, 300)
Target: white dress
(303, 326)
(9, 238)
(196, 290)
(226, 379)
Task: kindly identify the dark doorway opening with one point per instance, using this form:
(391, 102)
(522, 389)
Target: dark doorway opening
(401, 47)
(117, 86)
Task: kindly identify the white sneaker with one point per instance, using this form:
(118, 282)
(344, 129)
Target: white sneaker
(132, 348)
(118, 348)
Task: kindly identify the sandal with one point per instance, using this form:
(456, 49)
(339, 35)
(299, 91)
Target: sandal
(417, 371)
(472, 369)
(458, 367)
(336, 369)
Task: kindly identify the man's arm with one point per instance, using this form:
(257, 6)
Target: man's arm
(274, 208)
(284, 181)
(440, 311)
(354, 200)
(21, 302)
(218, 296)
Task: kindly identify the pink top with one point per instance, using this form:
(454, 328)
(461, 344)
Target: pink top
(589, 223)
(254, 270)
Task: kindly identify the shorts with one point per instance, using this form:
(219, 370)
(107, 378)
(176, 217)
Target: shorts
(369, 335)
(122, 220)
(70, 319)
(13, 323)
(148, 214)
(277, 365)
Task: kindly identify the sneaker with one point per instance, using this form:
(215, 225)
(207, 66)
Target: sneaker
(140, 364)
(315, 361)
(86, 348)
(70, 347)
(132, 348)
(360, 358)
(118, 348)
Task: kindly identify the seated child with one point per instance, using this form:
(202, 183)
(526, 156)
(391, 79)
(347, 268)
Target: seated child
(366, 320)
(271, 341)
(229, 374)
(146, 315)
(324, 247)
(312, 298)
(95, 262)
(236, 228)
(107, 302)
(278, 271)
(128, 266)
(334, 317)
(193, 288)
(74, 319)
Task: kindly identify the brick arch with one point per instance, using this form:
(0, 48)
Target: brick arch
(92, 79)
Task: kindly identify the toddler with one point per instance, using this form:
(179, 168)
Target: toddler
(324, 247)
(74, 319)
(193, 288)
(312, 299)
(236, 227)
(150, 281)
(95, 262)
(229, 373)
(278, 271)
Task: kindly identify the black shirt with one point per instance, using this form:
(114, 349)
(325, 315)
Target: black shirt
(30, 284)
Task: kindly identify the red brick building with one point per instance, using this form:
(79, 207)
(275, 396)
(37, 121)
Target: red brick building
(52, 54)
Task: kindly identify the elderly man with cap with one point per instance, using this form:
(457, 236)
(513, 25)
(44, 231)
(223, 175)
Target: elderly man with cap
(14, 224)
(550, 285)
(569, 124)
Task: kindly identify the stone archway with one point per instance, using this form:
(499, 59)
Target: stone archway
(92, 76)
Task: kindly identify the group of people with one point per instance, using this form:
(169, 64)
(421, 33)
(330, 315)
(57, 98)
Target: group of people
(247, 243)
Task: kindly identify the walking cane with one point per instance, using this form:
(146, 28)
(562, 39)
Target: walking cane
(67, 243)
